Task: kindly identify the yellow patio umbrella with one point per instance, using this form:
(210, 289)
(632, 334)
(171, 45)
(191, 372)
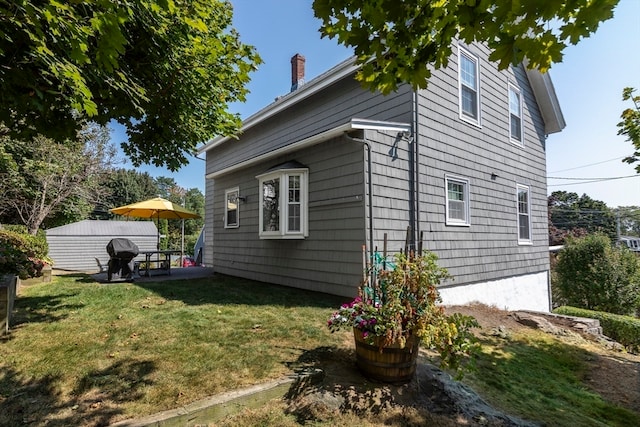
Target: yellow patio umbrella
(155, 208)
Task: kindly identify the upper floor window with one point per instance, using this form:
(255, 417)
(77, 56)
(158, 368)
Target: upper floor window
(283, 202)
(231, 211)
(457, 207)
(515, 115)
(468, 77)
(524, 214)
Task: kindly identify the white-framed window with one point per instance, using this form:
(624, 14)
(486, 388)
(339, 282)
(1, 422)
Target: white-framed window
(232, 208)
(469, 86)
(524, 214)
(457, 208)
(283, 204)
(516, 130)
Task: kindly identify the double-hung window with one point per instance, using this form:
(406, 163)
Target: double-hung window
(283, 203)
(515, 115)
(231, 208)
(524, 214)
(457, 208)
(469, 85)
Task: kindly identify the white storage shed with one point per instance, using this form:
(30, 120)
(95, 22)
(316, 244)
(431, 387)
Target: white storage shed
(82, 246)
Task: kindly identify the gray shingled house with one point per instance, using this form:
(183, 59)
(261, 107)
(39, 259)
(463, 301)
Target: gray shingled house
(82, 246)
(331, 167)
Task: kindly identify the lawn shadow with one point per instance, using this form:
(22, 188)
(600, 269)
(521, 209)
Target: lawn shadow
(79, 277)
(94, 401)
(42, 309)
(335, 384)
(220, 289)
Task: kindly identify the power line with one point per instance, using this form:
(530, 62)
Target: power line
(588, 180)
(600, 179)
(590, 164)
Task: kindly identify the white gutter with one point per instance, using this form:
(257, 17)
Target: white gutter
(353, 124)
(315, 85)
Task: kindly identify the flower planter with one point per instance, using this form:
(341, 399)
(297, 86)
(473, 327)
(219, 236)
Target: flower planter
(392, 364)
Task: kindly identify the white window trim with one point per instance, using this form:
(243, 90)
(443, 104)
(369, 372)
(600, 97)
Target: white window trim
(226, 201)
(452, 221)
(520, 187)
(474, 58)
(283, 232)
(513, 140)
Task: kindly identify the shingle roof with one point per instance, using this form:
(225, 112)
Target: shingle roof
(90, 227)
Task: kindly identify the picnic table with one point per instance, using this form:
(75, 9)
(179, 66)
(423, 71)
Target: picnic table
(162, 259)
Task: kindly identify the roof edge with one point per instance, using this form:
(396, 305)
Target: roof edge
(325, 79)
(547, 100)
(353, 124)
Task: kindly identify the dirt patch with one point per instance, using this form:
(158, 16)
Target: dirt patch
(432, 398)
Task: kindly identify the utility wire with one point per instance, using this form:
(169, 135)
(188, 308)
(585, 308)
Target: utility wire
(591, 164)
(599, 179)
(588, 180)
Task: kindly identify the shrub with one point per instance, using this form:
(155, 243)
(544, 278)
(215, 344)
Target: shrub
(22, 254)
(591, 273)
(623, 329)
(36, 244)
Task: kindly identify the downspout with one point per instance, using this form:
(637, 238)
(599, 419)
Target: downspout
(416, 143)
(412, 193)
(369, 191)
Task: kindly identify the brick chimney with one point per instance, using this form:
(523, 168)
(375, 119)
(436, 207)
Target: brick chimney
(297, 71)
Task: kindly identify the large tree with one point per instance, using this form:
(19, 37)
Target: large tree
(41, 178)
(628, 218)
(395, 40)
(570, 214)
(630, 125)
(192, 199)
(123, 187)
(165, 69)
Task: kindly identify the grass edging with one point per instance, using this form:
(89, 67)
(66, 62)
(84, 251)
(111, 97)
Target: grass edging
(220, 406)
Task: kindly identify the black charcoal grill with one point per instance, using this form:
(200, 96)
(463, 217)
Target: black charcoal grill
(121, 254)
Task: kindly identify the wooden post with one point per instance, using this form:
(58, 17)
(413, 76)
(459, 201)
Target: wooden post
(384, 252)
(364, 264)
(406, 241)
(7, 297)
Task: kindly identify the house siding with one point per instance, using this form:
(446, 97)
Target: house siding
(484, 256)
(330, 108)
(488, 249)
(329, 259)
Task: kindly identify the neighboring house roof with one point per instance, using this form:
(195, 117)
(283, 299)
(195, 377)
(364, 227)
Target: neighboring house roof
(90, 227)
(541, 84)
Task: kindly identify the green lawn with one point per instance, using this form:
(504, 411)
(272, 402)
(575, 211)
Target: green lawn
(84, 353)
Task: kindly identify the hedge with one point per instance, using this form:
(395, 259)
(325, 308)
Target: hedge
(623, 329)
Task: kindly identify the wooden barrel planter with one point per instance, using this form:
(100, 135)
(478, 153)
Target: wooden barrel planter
(392, 364)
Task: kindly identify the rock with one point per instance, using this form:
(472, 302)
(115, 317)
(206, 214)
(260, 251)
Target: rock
(456, 397)
(536, 322)
(317, 406)
(501, 331)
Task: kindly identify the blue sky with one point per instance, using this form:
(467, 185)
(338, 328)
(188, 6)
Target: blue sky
(588, 83)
